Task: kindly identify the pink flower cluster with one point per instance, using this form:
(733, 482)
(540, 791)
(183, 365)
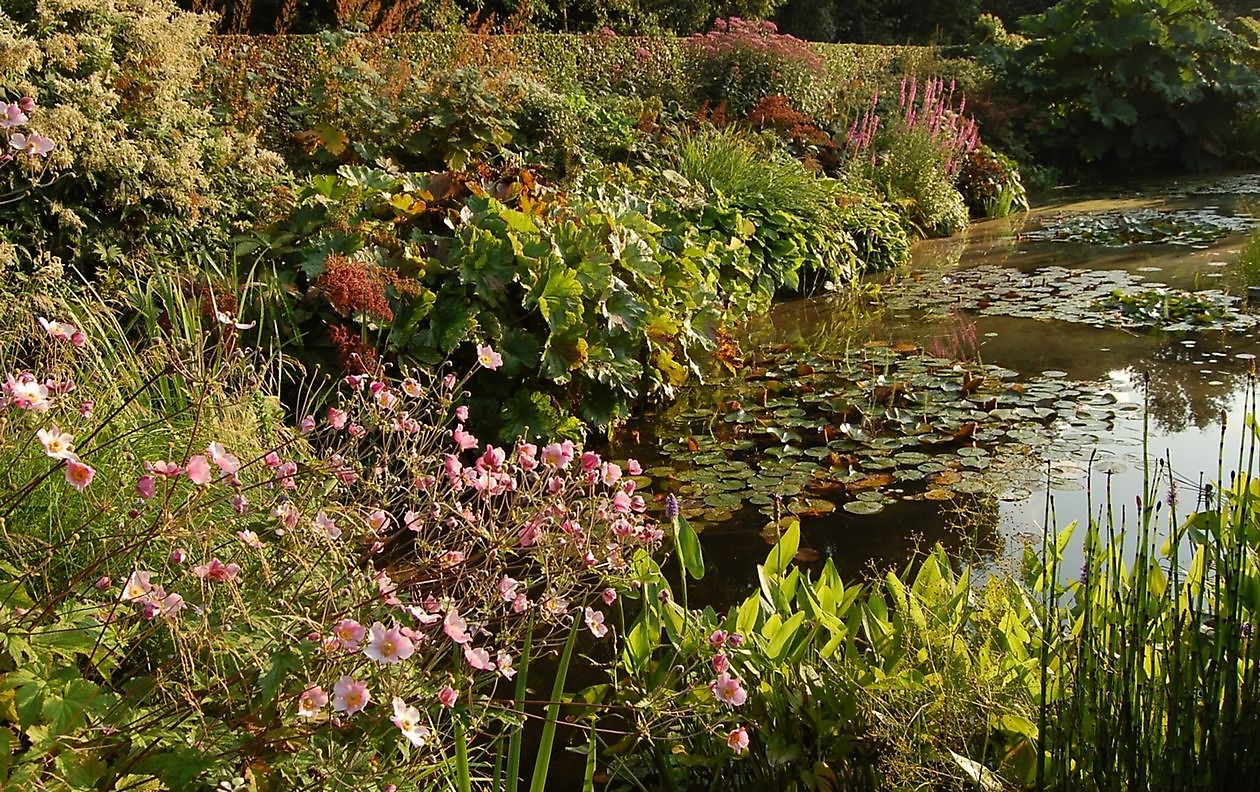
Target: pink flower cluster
(952, 130)
(14, 115)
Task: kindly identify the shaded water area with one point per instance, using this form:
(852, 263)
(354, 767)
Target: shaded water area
(1026, 357)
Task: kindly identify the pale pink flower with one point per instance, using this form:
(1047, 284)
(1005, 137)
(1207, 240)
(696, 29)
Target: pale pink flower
(455, 627)
(226, 462)
(78, 474)
(478, 658)
(609, 596)
(378, 521)
(77, 339)
(412, 388)
(508, 587)
(217, 571)
(146, 487)
(520, 604)
(326, 524)
(170, 605)
(463, 439)
(488, 358)
(356, 430)
(198, 470)
(249, 539)
(350, 696)
(413, 520)
(349, 634)
(86, 408)
(633, 467)
(240, 504)
(728, 690)
(461, 413)
(558, 455)
(163, 469)
(286, 474)
(407, 719)
(527, 456)
(717, 638)
(721, 663)
(337, 418)
(595, 623)
(504, 662)
(177, 556)
(590, 461)
(610, 473)
(34, 144)
(58, 330)
(453, 558)
(447, 696)
(492, 459)
(271, 459)
(13, 116)
(57, 444)
(137, 586)
(388, 646)
(312, 700)
(27, 393)
(737, 740)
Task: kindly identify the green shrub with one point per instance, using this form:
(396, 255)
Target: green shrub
(1128, 83)
(990, 184)
(146, 173)
(911, 172)
(912, 681)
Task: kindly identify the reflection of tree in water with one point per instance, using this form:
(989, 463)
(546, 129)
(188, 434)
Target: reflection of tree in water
(1178, 395)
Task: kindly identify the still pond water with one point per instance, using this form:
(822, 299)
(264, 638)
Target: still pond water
(1016, 367)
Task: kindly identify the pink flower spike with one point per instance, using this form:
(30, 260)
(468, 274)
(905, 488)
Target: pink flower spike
(57, 444)
(350, 696)
(388, 646)
(737, 740)
(488, 358)
(312, 700)
(198, 470)
(478, 658)
(79, 475)
(447, 696)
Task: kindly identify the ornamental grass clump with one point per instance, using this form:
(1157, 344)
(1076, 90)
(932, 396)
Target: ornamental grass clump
(202, 584)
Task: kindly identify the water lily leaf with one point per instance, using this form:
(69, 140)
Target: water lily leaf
(863, 507)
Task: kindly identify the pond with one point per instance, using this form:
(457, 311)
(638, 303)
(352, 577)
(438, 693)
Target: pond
(1023, 366)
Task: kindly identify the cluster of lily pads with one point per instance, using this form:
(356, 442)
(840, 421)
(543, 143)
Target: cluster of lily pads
(805, 434)
(1099, 297)
(1197, 227)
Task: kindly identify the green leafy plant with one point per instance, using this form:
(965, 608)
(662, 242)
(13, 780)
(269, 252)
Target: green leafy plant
(1128, 83)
